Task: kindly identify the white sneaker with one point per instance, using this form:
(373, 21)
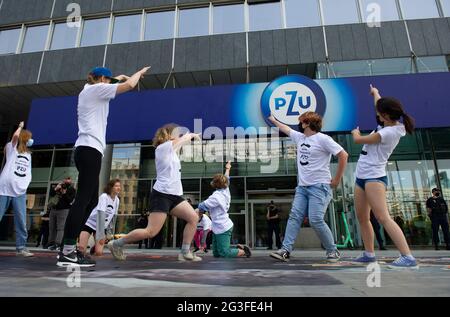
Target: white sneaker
(188, 257)
(25, 253)
(116, 251)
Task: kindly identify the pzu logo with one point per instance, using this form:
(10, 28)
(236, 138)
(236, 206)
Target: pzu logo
(288, 97)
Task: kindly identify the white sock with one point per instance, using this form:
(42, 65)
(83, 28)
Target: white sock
(185, 248)
(409, 256)
(120, 242)
(369, 254)
(69, 249)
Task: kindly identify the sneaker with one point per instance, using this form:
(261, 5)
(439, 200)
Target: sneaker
(334, 256)
(53, 247)
(246, 250)
(188, 257)
(364, 258)
(196, 249)
(116, 251)
(403, 262)
(281, 255)
(74, 258)
(25, 253)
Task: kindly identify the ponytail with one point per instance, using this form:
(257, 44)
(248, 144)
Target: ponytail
(409, 123)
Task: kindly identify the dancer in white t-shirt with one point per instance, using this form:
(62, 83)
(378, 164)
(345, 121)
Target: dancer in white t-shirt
(166, 197)
(93, 111)
(102, 219)
(217, 206)
(371, 179)
(314, 191)
(14, 181)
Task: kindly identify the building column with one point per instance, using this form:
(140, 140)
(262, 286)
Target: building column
(105, 172)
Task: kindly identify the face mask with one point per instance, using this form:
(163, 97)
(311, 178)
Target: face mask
(437, 194)
(380, 123)
(30, 143)
(300, 128)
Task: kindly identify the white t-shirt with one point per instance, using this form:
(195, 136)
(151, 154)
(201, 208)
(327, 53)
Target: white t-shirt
(204, 224)
(16, 174)
(168, 170)
(313, 157)
(93, 110)
(373, 164)
(217, 205)
(106, 204)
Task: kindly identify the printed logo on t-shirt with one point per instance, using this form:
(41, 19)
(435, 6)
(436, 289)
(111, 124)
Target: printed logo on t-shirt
(305, 153)
(22, 164)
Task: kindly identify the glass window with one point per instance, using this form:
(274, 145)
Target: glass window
(35, 39)
(127, 29)
(340, 12)
(95, 32)
(391, 66)
(159, 25)
(40, 162)
(388, 10)
(64, 36)
(223, 15)
(446, 7)
(350, 69)
(193, 22)
(9, 40)
(266, 16)
(64, 165)
(302, 13)
(419, 9)
(431, 64)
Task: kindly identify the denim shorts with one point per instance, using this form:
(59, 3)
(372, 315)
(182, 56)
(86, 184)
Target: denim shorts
(362, 182)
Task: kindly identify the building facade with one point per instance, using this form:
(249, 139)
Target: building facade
(192, 43)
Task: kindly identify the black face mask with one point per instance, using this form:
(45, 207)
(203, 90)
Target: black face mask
(379, 122)
(300, 128)
(437, 194)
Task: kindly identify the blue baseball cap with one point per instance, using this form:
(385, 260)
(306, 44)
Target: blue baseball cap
(103, 71)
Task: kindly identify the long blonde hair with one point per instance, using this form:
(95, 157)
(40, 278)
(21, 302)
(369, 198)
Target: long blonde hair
(164, 134)
(24, 136)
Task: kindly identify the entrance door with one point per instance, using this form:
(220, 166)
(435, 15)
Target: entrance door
(258, 222)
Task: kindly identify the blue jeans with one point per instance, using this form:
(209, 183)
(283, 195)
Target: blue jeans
(20, 217)
(312, 202)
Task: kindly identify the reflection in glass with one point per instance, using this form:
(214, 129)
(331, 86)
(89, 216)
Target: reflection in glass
(41, 161)
(63, 37)
(340, 12)
(419, 9)
(193, 22)
(430, 64)
(159, 25)
(95, 32)
(35, 39)
(127, 28)
(223, 15)
(64, 166)
(302, 13)
(266, 16)
(388, 10)
(8, 41)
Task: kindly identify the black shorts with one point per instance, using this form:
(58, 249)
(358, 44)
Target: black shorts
(90, 230)
(160, 202)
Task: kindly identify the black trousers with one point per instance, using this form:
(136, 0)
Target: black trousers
(88, 162)
(273, 227)
(442, 221)
(376, 228)
(43, 235)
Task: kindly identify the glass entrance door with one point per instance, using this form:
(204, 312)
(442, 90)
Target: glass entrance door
(258, 222)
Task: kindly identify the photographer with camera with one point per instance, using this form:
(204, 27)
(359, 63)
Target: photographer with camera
(64, 193)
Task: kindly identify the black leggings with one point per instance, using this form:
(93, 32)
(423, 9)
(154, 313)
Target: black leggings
(88, 162)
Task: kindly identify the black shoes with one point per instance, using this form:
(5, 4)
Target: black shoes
(281, 255)
(246, 250)
(74, 258)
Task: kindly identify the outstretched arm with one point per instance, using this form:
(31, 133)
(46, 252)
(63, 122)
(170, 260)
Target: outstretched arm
(227, 169)
(185, 139)
(283, 128)
(131, 82)
(15, 137)
(375, 93)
